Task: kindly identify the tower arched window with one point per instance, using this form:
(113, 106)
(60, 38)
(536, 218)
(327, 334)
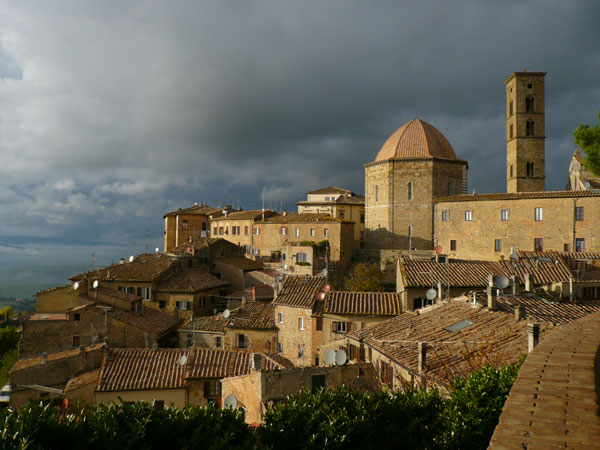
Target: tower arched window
(528, 169)
(529, 104)
(529, 128)
(511, 170)
(510, 108)
(533, 169)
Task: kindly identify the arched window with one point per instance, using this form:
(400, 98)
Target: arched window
(529, 128)
(528, 169)
(529, 104)
(532, 169)
(511, 131)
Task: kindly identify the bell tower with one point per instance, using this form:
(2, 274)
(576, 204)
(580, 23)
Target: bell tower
(525, 132)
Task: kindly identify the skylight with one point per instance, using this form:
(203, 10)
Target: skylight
(456, 326)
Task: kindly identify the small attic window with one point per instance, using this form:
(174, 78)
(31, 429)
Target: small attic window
(457, 326)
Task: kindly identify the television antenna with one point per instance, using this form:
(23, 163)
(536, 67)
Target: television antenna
(230, 402)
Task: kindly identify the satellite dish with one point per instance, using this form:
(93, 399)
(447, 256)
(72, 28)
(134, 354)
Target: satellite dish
(156, 250)
(230, 402)
(321, 296)
(431, 294)
(225, 211)
(437, 249)
(226, 314)
(324, 272)
(131, 258)
(95, 284)
(285, 267)
(514, 257)
(76, 285)
(183, 360)
(330, 356)
(326, 288)
(501, 282)
(340, 357)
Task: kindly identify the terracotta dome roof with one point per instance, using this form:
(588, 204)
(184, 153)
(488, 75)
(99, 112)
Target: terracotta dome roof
(416, 139)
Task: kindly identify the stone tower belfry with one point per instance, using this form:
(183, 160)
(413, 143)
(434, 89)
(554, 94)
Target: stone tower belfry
(525, 132)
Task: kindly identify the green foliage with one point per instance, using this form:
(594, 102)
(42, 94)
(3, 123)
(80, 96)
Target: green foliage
(39, 425)
(588, 139)
(365, 278)
(9, 353)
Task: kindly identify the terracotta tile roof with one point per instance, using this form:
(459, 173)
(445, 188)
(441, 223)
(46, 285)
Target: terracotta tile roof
(242, 263)
(462, 273)
(303, 218)
(253, 214)
(516, 196)
(300, 291)
(198, 243)
(258, 293)
(34, 361)
(113, 293)
(582, 256)
(203, 210)
(214, 363)
(190, 280)
(209, 324)
(363, 303)
(55, 288)
(492, 337)
(542, 309)
(330, 190)
(255, 315)
(136, 369)
(84, 379)
(145, 267)
(554, 400)
(416, 139)
(348, 199)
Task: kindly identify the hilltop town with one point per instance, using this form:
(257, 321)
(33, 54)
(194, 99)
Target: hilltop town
(242, 308)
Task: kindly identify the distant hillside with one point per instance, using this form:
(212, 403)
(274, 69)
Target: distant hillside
(25, 281)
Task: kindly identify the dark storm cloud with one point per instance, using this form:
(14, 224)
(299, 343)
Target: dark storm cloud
(113, 114)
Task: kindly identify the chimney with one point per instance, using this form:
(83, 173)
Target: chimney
(146, 340)
(422, 350)
(533, 336)
(528, 282)
(571, 293)
(439, 290)
(491, 279)
(176, 313)
(515, 281)
(491, 298)
(82, 349)
(519, 312)
(44, 358)
(154, 346)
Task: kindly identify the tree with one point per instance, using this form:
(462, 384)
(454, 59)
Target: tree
(365, 278)
(588, 139)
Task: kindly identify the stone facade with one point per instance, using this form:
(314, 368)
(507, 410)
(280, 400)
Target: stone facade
(525, 132)
(298, 344)
(398, 199)
(491, 234)
(236, 227)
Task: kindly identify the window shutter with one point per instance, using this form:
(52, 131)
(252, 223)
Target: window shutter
(139, 292)
(206, 389)
(333, 327)
(348, 327)
(189, 306)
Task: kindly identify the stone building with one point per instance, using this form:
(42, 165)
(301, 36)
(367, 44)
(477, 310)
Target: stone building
(236, 226)
(580, 178)
(340, 203)
(415, 165)
(189, 223)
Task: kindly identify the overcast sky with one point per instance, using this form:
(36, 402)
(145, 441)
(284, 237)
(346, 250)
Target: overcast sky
(115, 112)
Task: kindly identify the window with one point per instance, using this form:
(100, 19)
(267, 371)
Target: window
(325, 232)
(297, 232)
(511, 170)
(77, 317)
(453, 245)
(300, 350)
(218, 342)
(376, 193)
(184, 224)
(538, 244)
(256, 252)
(567, 247)
(338, 327)
(579, 244)
(468, 215)
(279, 347)
(511, 134)
(76, 341)
(362, 218)
(301, 323)
(510, 108)
(212, 389)
(327, 199)
(280, 317)
(539, 214)
(283, 231)
(312, 232)
(221, 231)
(183, 305)
(144, 292)
(421, 302)
(504, 214)
(342, 215)
(235, 230)
(246, 248)
(257, 231)
(579, 213)
(246, 230)
(319, 324)
(240, 341)
(162, 304)
(410, 191)
(529, 128)
(190, 340)
(202, 301)
(215, 231)
(301, 257)
(362, 235)
(529, 104)
(530, 169)
(445, 215)
(497, 245)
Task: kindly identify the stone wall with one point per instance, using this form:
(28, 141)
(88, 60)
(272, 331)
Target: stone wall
(291, 337)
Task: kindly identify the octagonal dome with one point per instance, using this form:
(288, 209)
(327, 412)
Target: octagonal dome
(416, 139)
